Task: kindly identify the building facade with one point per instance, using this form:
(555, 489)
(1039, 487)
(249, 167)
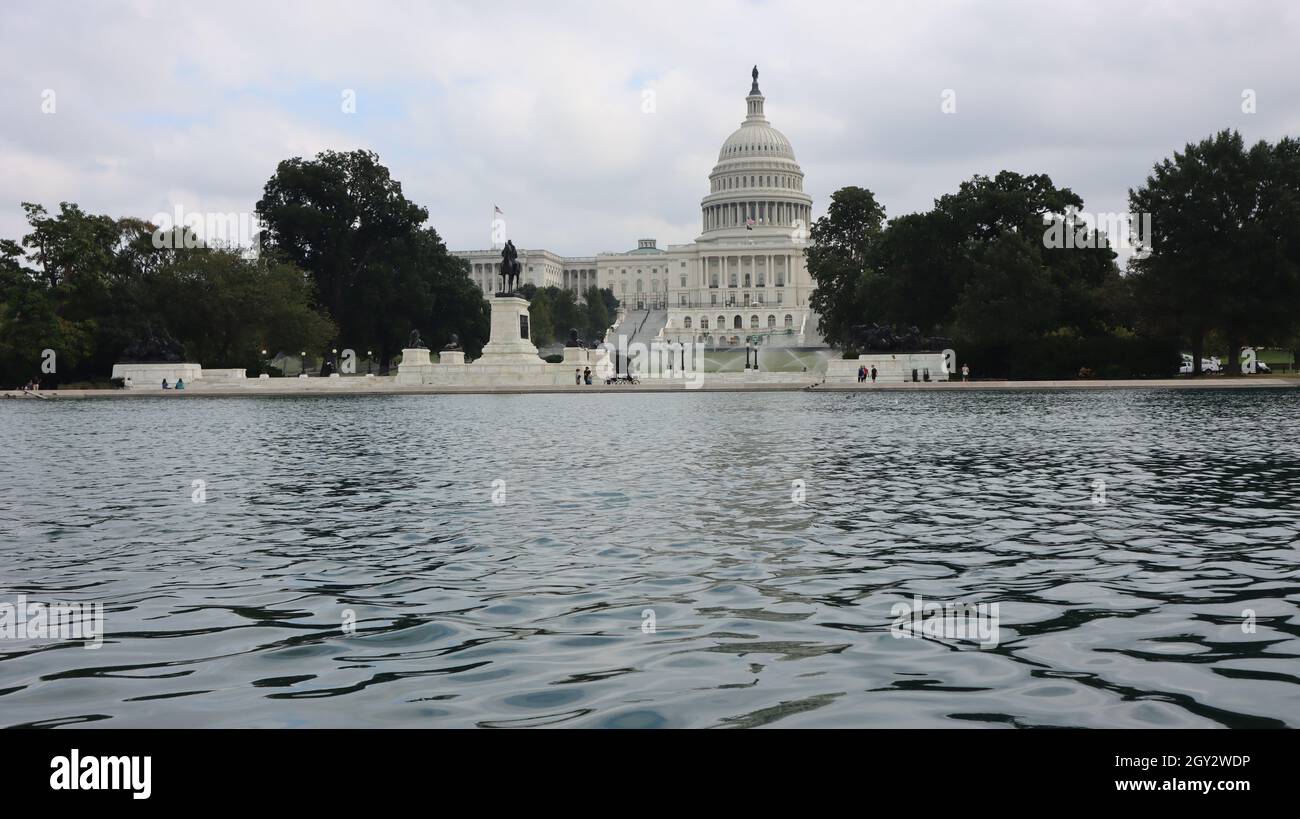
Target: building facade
(742, 280)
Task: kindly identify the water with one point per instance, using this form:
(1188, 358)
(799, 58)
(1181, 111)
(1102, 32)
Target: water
(230, 612)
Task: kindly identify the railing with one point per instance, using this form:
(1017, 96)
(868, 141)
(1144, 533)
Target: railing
(733, 305)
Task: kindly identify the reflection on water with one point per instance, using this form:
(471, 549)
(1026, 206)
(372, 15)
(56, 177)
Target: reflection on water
(319, 512)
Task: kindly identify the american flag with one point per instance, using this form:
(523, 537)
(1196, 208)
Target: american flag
(749, 224)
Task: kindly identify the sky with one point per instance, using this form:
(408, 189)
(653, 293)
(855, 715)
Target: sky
(594, 124)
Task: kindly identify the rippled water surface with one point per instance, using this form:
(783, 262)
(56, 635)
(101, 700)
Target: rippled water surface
(530, 612)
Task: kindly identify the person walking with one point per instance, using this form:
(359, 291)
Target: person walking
(586, 376)
(965, 372)
(861, 370)
(577, 376)
(873, 373)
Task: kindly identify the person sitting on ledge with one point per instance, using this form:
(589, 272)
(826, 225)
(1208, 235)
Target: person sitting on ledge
(180, 383)
(165, 387)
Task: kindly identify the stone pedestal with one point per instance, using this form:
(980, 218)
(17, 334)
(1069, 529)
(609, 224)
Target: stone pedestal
(451, 357)
(414, 357)
(415, 366)
(510, 342)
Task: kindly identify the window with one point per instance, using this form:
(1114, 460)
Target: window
(683, 278)
(771, 322)
(737, 324)
(704, 322)
(722, 322)
(747, 283)
(687, 322)
(753, 322)
(789, 321)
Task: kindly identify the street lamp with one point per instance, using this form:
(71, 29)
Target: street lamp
(369, 359)
(302, 363)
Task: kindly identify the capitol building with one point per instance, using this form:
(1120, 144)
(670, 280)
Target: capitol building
(742, 280)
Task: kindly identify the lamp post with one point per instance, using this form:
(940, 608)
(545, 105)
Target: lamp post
(334, 359)
(369, 359)
(264, 364)
(302, 363)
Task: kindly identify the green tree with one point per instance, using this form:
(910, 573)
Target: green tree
(1224, 248)
(378, 271)
(597, 313)
(840, 251)
(225, 309)
(1010, 297)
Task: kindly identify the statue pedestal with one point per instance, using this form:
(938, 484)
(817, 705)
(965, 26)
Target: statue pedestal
(451, 357)
(414, 357)
(509, 341)
(415, 366)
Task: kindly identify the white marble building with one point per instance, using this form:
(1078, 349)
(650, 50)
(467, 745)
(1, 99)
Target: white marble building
(742, 278)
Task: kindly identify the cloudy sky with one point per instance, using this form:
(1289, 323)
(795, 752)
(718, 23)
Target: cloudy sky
(539, 107)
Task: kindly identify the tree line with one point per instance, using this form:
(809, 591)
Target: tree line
(343, 260)
(985, 268)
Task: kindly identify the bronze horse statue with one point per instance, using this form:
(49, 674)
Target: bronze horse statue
(510, 268)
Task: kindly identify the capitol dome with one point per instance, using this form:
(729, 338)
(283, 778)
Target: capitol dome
(756, 139)
(757, 184)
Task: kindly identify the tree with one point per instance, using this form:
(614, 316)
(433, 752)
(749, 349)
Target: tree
(598, 313)
(1224, 250)
(1010, 297)
(226, 309)
(840, 250)
(378, 271)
